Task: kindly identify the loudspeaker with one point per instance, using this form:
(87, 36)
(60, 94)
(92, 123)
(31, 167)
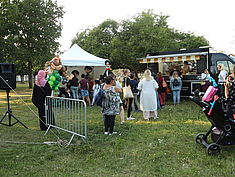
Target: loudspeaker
(8, 76)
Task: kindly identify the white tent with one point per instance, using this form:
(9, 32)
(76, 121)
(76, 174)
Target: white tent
(77, 58)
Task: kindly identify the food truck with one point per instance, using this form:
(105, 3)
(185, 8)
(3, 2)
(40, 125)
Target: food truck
(197, 60)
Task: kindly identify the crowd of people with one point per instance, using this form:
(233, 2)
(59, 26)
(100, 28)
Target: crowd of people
(147, 95)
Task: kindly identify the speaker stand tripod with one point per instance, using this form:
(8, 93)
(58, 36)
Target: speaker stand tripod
(10, 115)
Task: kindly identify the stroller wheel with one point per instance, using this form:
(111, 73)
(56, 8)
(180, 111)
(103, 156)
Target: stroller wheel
(213, 148)
(199, 138)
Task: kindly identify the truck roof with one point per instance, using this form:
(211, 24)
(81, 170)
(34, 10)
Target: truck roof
(198, 50)
(171, 56)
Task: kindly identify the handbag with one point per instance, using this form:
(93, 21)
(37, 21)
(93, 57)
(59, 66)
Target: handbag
(164, 84)
(127, 93)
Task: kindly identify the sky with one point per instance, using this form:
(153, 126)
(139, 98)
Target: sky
(213, 19)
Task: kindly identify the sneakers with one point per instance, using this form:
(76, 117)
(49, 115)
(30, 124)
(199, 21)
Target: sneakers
(130, 118)
(113, 133)
(156, 118)
(107, 133)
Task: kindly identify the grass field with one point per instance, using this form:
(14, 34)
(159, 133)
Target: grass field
(156, 148)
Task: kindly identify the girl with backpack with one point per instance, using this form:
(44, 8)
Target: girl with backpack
(176, 85)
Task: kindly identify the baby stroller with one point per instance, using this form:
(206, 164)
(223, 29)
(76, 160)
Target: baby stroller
(222, 130)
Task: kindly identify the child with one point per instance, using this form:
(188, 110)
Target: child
(84, 86)
(96, 89)
(176, 85)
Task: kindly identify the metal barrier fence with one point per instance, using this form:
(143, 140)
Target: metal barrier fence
(66, 114)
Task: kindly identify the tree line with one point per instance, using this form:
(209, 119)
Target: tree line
(29, 30)
(123, 42)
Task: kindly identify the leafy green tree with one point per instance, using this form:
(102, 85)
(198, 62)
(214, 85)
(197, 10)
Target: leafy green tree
(98, 40)
(144, 33)
(8, 29)
(21, 69)
(35, 28)
(123, 42)
(189, 40)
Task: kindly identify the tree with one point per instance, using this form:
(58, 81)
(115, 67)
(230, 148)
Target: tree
(35, 27)
(189, 40)
(144, 33)
(21, 69)
(133, 38)
(98, 40)
(8, 30)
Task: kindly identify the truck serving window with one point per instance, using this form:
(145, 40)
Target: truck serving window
(168, 67)
(224, 64)
(176, 60)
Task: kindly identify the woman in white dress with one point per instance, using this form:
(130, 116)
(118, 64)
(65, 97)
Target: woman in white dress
(148, 98)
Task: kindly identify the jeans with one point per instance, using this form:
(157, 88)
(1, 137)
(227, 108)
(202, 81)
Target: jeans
(176, 96)
(74, 90)
(158, 101)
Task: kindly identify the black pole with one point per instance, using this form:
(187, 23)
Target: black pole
(8, 106)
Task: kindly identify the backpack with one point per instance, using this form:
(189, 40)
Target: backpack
(99, 97)
(210, 92)
(176, 83)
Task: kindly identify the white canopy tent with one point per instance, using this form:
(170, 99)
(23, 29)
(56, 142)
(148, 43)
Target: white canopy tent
(77, 58)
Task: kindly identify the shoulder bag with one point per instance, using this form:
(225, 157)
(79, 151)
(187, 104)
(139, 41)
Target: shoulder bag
(127, 93)
(164, 84)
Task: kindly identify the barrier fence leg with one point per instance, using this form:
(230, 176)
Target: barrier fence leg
(70, 140)
(47, 129)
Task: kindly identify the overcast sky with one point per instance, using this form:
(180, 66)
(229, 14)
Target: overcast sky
(214, 19)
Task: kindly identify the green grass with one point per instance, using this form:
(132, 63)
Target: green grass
(156, 148)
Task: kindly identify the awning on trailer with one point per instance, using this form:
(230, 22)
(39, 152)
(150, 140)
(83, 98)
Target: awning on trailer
(172, 57)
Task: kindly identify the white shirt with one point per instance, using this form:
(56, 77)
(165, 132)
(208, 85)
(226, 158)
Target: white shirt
(222, 76)
(205, 76)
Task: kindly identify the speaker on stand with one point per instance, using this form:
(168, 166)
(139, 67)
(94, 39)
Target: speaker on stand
(8, 82)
